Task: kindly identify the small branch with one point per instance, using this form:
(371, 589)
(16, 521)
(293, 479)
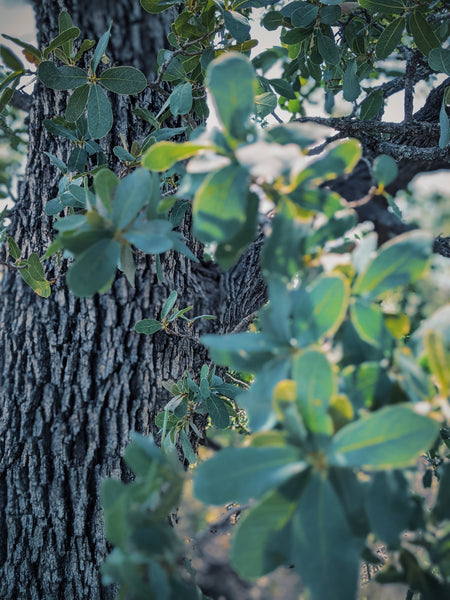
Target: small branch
(11, 266)
(243, 325)
(237, 381)
(416, 153)
(321, 147)
(439, 17)
(354, 127)
(221, 525)
(181, 49)
(441, 246)
(409, 87)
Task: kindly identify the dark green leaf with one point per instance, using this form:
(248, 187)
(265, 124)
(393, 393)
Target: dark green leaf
(123, 80)
(444, 124)
(372, 105)
(66, 36)
(64, 23)
(328, 49)
(77, 103)
(6, 96)
(330, 14)
(27, 47)
(181, 99)
(148, 326)
(304, 14)
(99, 112)
(265, 104)
(14, 249)
(94, 268)
(237, 25)
(439, 60)
(232, 82)
(217, 411)
(186, 446)
(61, 78)
(391, 438)
(351, 87)
(157, 6)
(272, 20)
(169, 304)
(131, 195)
(385, 7)
(238, 474)
(423, 34)
(367, 318)
(77, 160)
(127, 264)
(100, 49)
(10, 59)
(323, 549)
(390, 38)
(123, 154)
(282, 87)
(220, 204)
(441, 509)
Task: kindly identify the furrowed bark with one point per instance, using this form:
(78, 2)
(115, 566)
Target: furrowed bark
(75, 379)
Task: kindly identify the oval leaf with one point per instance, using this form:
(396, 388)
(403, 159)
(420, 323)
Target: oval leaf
(99, 112)
(391, 438)
(94, 268)
(390, 38)
(123, 80)
(61, 78)
(163, 155)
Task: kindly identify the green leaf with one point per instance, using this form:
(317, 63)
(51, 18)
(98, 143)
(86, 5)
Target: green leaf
(10, 59)
(131, 195)
(444, 124)
(237, 25)
(217, 411)
(351, 87)
(94, 268)
(384, 169)
(35, 267)
(368, 321)
(181, 99)
(372, 105)
(238, 474)
(148, 326)
(220, 204)
(329, 296)
(304, 14)
(324, 551)
(66, 36)
(27, 47)
(123, 80)
(423, 35)
(441, 509)
(385, 7)
(64, 23)
(282, 87)
(252, 547)
(99, 112)
(77, 160)
(328, 49)
(391, 438)
(169, 304)
(265, 104)
(439, 60)
(100, 49)
(6, 96)
(127, 264)
(61, 78)
(14, 249)
(186, 446)
(104, 183)
(232, 82)
(157, 6)
(401, 261)
(150, 236)
(163, 155)
(315, 386)
(77, 103)
(390, 38)
(330, 14)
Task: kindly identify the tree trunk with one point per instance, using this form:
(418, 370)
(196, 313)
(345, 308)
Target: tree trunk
(75, 379)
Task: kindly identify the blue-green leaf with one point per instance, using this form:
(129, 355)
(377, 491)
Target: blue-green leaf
(238, 474)
(237, 25)
(94, 268)
(99, 112)
(181, 99)
(77, 103)
(100, 49)
(150, 236)
(132, 194)
(123, 80)
(61, 78)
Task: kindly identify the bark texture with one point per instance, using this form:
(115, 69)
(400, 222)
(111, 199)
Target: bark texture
(75, 379)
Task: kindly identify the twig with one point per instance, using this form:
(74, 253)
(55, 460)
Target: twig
(439, 17)
(181, 49)
(409, 87)
(243, 325)
(238, 381)
(354, 126)
(10, 266)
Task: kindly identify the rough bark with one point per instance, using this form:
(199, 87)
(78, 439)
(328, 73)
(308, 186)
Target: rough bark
(75, 379)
